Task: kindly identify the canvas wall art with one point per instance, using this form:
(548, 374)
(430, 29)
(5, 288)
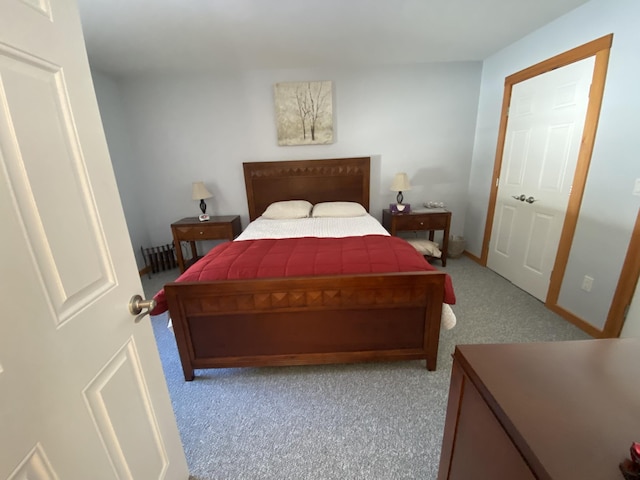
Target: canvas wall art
(304, 112)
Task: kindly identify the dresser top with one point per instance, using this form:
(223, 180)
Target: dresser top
(572, 408)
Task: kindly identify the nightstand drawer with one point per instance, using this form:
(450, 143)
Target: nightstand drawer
(204, 232)
(431, 221)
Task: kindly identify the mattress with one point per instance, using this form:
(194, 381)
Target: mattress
(312, 227)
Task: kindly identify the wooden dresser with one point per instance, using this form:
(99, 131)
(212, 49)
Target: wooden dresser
(559, 410)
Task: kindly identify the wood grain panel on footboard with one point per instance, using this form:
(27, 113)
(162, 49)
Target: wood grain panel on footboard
(307, 320)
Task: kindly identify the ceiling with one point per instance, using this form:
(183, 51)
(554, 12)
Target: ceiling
(128, 37)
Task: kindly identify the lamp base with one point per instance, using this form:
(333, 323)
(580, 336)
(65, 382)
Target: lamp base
(203, 218)
(400, 208)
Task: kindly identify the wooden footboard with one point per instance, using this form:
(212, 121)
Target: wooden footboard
(307, 320)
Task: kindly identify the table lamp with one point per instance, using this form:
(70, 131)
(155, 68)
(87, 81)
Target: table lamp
(200, 192)
(400, 184)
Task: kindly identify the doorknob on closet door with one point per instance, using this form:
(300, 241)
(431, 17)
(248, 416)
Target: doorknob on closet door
(520, 197)
(531, 200)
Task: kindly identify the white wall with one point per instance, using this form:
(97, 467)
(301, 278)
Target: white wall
(608, 210)
(125, 167)
(419, 119)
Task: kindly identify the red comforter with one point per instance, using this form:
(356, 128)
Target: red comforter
(291, 257)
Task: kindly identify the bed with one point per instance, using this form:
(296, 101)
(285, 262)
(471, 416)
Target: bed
(304, 319)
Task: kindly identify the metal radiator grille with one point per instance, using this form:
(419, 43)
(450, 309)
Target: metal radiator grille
(160, 258)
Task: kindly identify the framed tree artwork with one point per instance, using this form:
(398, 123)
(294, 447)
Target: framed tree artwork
(304, 112)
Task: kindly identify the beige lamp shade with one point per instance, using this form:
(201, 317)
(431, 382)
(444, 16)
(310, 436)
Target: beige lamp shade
(400, 183)
(200, 192)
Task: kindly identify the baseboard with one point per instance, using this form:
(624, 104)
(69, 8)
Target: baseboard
(577, 321)
(473, 257)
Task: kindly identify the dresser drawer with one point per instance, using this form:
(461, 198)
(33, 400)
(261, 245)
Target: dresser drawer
(204, 232)
(430, 221)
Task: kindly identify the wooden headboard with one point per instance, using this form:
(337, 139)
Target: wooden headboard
(336, 179)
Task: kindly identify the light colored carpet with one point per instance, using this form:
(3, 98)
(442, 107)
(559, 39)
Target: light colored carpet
(366, 421)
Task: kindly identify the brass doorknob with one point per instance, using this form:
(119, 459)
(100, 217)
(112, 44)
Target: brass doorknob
(137, 304)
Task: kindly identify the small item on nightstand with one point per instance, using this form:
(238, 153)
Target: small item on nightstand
(400, 208)
(204, 217)
(630, 468)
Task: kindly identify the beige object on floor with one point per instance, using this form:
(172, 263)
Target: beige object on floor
(426, 247)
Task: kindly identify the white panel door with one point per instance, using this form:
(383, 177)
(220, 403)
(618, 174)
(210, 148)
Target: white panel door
(542, 142)
(83, 394)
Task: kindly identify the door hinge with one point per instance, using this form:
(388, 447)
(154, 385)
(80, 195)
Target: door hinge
(626, 311)
(497, 182)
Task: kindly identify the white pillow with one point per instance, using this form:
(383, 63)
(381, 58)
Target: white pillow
(288, 209)
(338, 209)
(425, 247)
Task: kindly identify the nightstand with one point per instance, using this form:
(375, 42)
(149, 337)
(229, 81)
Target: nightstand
(429, 220)
(190, 230)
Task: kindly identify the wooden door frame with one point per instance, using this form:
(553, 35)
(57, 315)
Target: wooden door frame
(626, 287)
(600, 49)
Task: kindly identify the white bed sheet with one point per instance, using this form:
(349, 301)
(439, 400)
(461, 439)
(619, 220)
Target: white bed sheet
(312, 227)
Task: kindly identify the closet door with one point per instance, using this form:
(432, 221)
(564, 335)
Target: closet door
(544, 131)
